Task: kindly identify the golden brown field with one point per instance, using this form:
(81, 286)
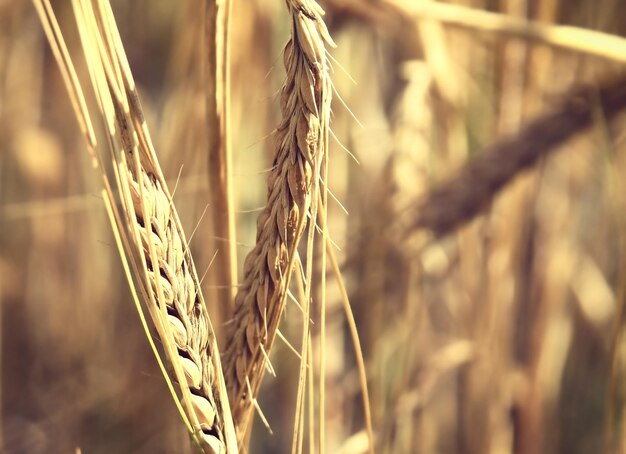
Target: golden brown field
(338, 226)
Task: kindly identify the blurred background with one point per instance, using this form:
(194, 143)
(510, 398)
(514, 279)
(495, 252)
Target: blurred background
(505, 336)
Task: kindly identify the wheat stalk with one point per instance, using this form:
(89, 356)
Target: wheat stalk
(146, 225)
(301, 140)
(217, 31)
(564, 37)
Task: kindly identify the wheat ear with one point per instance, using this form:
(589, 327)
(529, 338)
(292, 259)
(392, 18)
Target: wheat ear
(469, 192)
(147, 227)
(300, 140)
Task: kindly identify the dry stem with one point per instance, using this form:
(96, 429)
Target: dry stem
(217, 16)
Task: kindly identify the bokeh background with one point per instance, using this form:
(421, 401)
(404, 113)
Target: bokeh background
(506, 336)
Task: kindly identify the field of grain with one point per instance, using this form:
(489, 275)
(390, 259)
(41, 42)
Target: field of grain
(313, 226)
